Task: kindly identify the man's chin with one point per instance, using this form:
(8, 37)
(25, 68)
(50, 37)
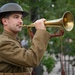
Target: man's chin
(17, 31)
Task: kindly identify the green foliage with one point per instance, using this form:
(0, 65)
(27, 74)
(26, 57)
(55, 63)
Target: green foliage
(49, 62)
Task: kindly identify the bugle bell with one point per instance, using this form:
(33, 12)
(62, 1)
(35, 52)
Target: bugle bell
(67, 22)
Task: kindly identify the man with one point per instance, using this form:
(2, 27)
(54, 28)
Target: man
(14, 58)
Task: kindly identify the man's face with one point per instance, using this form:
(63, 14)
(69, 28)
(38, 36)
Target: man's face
(13, 23)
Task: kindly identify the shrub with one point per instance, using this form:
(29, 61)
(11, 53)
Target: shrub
(49, 62)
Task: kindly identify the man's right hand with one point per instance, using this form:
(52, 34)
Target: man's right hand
(39, 24)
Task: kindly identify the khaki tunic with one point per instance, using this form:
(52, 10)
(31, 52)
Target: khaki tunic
(14, 58)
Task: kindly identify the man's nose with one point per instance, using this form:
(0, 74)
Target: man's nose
(21, 21)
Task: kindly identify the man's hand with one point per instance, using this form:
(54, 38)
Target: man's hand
(39, 24)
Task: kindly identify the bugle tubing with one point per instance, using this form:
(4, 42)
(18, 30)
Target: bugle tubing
(67, 22)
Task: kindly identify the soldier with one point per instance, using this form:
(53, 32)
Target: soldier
(14, 58)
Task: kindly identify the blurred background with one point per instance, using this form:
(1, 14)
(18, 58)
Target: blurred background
(60, 50)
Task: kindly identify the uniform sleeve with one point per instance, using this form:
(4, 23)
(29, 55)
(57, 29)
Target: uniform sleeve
(13, 54)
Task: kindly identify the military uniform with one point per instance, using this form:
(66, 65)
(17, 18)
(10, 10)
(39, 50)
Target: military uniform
(15, 59)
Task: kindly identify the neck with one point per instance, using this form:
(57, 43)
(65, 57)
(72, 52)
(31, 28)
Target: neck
(12, 32)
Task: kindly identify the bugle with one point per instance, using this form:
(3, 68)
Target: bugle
(67, 22)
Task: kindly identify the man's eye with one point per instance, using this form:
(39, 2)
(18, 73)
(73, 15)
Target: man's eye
(16, 16)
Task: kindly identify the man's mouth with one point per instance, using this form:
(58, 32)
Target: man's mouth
(20, 26)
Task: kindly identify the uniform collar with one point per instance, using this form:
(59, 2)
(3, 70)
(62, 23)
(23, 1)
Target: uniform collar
(10, 35)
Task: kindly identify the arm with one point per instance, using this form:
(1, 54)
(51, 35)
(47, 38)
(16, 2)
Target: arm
(19, 56)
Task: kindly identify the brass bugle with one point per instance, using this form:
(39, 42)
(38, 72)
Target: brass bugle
(67, 22)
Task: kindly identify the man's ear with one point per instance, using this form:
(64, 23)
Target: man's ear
(4, 21)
